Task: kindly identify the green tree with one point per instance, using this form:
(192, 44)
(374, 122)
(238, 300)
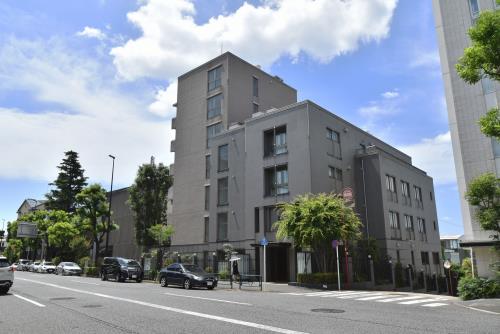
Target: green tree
(13, 250)
(148, 200)
(484, 193)
(161, 235)
(482, 60)
(68, 184)
(313, 221)
(92, 210)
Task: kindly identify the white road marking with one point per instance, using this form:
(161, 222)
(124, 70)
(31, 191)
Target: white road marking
(434, 304)
(359, 295)
(373, 297)
(173, 309)
(419, 301)
(28, 300)
(74, 280)
(318, 294)
(212, 299)
(399, 298)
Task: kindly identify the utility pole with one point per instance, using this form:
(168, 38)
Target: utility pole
(108, 228)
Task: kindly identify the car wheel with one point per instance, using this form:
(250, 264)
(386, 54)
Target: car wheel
(163, 282)
(187, 284)
(139, 280)
(117, 277)
(210, 288)
(103, 276)
(3, 291)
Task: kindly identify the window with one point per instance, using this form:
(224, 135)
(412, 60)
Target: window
(431, 196)
(214, 78)
(390, 184)
(398, 256)
(255, 107)
(222, 162)
(410, 230)
(213, 130)
(405, 191)
(395, 225)
(222, 226)
(418, 197)
(275, 141)
(334, 136)
(222, 191)
(425, 258)
(270, 217)
(207, 167)
(276, 180)
(214, 106)
(487, 85)
(255, 86)
(435, 225)
(435, 257)
(336, 174)
(207, 198)
(474, 8)
(421, 229)
(206, 225)
(412, 258)
(257, 220)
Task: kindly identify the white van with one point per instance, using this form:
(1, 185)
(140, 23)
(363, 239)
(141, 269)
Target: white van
(6, 275)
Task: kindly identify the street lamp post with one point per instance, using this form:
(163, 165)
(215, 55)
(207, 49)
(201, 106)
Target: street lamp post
(110, 201)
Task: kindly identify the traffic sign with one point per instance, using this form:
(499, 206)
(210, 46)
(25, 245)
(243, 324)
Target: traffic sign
(447, 264)
(264, 242)
(347, 194)
(27, 230)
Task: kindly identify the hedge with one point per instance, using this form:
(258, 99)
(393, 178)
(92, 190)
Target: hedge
(317, 278)
(475, 288)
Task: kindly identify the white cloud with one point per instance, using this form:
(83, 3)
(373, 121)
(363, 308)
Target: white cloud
(173, 42)
(90, 32)
(390, 94)
(428, 59)
(435, 156)
(87, 112)
(164, 100)
(388, 104)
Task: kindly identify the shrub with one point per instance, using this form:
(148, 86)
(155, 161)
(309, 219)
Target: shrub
(466, 268)
(84, 260)
(399, 275)
(317, 278)
(92, 271)
(223, 275)
(152, 274)
(56, 260)
(475, 288)
(209, 269)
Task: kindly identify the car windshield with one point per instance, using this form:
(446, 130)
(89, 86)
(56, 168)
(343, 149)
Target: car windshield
(193, 268)
(4, 263)
(133, 263)
(70, 264)
(48, 264)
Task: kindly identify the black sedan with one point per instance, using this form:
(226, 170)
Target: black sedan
(187, 276)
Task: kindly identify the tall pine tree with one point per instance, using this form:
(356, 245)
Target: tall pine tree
(68, 184)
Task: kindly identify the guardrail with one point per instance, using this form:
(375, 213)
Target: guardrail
(250, 280)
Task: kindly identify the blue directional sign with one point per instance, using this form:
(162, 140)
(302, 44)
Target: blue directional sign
(264, 242)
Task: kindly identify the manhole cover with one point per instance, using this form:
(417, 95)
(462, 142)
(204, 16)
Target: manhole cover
(327, 310)
(92, 306)
(63, 298)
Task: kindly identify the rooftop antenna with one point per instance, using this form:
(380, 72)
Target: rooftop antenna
(152, 161)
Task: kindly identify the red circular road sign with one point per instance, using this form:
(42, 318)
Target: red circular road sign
(347, 194)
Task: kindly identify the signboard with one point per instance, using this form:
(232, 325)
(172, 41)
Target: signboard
(335, 243)
(447, 264)
(27, 230)
(264, 242)
(347, 194)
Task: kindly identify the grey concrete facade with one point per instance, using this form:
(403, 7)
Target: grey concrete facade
(474, 153)
(302, 148)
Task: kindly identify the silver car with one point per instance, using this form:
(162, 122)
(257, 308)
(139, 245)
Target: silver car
(68, 268)
(6, 275)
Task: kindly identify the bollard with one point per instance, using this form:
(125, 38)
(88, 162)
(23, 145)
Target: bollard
(425, 280)
(393, 275)
(372, 273)
(410, 274)
(437, 283)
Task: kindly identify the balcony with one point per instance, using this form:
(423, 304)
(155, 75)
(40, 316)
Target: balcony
(172, 146)
(173, 123)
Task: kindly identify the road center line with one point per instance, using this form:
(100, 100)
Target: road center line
(73, 280)
(28, 300)
(212, 299)
(173, 309)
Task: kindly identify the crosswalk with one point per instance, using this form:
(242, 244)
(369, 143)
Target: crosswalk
(378, 296)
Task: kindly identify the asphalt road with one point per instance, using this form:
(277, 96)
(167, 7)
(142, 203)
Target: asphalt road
(45, 303)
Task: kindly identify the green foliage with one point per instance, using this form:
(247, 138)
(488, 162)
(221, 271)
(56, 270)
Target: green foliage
(56, 260)
(313, 221)
(68, 184)
(60, 233)
(482, 58)
(228, 251)
(13, 250)
(399, 274)
(317, 278)
(209, 269)
(86, 260)
(466, 268)
(92, 271)
(223, 275)
(148, 200)
(475, 288)
(490, 123)
(484, 194)
(161, 234)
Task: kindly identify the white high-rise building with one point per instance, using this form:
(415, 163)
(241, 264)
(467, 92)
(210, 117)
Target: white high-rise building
(474, 153)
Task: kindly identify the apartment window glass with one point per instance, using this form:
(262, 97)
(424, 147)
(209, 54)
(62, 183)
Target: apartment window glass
(207, 166)
(334, 136)
(206, 225)
(336, 174)
(257, 220)
(222, 191)
(421, 229)
(223, 158)
(207, 198)
(431, 196)
(222, 226)
(214, 106)
(255, 86)
(276, 180)
(405, 192)
(412, 258)
(435, 257)
(390, 184)
(410, 230)
(214, 78)
(487, 85)
(395, 225)
(474, 8)
(425, 258)
(270, 217)
(255, 107)
(496, 147)
(418, 196)
(275, 141)
(213, 130)
(435, 225)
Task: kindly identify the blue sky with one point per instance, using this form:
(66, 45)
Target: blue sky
(98, 77)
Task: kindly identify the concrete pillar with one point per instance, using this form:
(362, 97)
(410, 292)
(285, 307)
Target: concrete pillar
(350, 274)
(393, 273)
(410, 275)
(372, 273)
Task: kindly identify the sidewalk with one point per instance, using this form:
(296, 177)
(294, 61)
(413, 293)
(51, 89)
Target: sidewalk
(491, 306)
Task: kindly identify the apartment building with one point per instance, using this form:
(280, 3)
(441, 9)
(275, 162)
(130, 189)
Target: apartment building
(273, 149)
(474, 153)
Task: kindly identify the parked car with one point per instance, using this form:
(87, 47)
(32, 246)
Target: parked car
(121, 269)
(68, 268)
(187, 276)
(6, 275)
(46, 267)
(34, 266)
(23, 265)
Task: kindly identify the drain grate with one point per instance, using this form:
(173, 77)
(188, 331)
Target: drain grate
(92, 306)
(63, 298)
(327, 310)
